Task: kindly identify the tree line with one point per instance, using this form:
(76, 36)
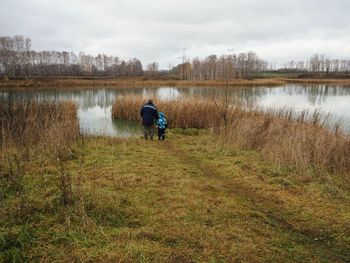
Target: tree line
(319, 64)
(249, 65)
(225, 67)
(18, 60)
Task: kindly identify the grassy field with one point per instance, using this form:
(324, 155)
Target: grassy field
(185, 199)
(257, 188)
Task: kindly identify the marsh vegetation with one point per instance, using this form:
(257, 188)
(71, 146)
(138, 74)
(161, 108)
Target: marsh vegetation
(283, 136)
(230, 188)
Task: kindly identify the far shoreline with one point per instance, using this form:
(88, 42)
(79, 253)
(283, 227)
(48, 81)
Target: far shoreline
(95, 82)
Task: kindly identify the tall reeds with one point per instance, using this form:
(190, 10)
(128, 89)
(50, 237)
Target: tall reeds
(282, 136)
(300, 140)
(184, 113)
(32, 123)
(29, 129)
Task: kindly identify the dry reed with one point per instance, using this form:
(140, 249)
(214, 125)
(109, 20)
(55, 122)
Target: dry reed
(282, 136)
(299, 140)
(131, 82)
(37, 123)
(186, 113)
(28, 129)
(335, 81)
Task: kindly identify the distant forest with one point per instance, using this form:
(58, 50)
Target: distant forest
(18, 60)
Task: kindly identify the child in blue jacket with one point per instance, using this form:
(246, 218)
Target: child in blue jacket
(162, 125)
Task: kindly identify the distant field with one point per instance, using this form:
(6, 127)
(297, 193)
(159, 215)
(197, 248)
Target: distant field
(78, 82)
(269, 80)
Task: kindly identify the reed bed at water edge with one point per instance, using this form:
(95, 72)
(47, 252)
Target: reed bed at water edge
(184, 113)
(129, 82)
(282, 136)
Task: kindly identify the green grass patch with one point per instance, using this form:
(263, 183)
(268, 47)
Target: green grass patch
(185, 199)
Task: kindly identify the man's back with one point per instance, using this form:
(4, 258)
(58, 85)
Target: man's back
(149, 113)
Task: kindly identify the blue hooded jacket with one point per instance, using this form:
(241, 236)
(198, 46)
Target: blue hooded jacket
(161, 122)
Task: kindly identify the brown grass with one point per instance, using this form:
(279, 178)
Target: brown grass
(181, 200)
(301, 140)
(186, 113)
(40, 124)
(30, 129)
(132, 82)
(44, 83)
(317, 81)
(187, 199)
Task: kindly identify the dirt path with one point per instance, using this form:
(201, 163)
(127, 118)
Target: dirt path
(270, 208)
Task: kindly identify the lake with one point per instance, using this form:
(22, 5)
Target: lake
(94, 105)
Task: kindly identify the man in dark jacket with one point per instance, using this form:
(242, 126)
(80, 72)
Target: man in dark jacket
(149, 115)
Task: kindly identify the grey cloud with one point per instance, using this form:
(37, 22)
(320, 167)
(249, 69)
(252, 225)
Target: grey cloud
(157, 30)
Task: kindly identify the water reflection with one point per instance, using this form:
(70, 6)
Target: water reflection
(329, 99)
(94, 105)
(127, 128)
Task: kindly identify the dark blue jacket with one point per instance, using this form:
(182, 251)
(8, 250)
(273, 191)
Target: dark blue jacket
(149, 113)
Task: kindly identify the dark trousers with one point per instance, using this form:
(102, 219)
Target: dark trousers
(148, 131)
(161, 134)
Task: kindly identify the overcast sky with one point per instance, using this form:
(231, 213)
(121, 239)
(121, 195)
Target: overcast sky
(158, 30)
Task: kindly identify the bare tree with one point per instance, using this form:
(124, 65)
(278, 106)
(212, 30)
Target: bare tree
(152, 69)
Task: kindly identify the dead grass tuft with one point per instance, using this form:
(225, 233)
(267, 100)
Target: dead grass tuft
(25, 124)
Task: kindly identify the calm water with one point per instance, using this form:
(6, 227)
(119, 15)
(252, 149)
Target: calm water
(94, 105)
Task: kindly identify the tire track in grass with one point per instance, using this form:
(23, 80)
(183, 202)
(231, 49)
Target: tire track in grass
(280, 216)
